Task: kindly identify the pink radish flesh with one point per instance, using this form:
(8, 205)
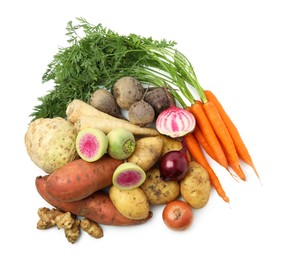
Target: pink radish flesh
(89, 145)
(128, 178)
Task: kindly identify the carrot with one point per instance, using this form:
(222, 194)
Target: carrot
(197, 154)
(241, 148)
(208, 132)
(79, 179)
(202, 141)
(98, 207)
(224, 137)
(83, 115)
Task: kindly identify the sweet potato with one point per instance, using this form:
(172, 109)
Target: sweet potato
(79, 179)
(97, 207)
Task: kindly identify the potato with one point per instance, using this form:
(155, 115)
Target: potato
(132, 204)
(147, 152)
(170, 144)
(195, 187)
(158, 191)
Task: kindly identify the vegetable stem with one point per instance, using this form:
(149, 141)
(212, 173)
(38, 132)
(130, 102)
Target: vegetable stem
(97, 56)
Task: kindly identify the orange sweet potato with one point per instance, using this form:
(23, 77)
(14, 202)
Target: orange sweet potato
(97, 207)
(79, 179)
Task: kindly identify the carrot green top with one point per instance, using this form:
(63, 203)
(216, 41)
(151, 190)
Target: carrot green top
(97, 57)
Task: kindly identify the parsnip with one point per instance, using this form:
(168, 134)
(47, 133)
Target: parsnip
(83, 115)
(78, 108)
(106, 125)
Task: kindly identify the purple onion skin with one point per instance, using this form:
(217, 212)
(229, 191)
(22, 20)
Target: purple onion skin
(173, 166)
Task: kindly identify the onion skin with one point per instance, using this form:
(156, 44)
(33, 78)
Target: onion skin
(175, 122)
(173, 166)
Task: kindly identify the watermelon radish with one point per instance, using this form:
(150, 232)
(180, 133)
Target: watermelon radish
(121, 143)
(91, 144)
(128, 176)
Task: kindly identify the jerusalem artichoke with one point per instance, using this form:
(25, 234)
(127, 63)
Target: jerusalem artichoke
(91, 227)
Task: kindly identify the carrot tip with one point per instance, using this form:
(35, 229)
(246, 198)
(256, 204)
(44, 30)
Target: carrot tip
(226, 199)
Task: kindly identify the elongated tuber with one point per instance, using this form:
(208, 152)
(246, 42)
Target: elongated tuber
(72, 234)
(91, 227)
(98, 207)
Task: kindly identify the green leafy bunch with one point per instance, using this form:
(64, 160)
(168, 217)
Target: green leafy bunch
(96, 57)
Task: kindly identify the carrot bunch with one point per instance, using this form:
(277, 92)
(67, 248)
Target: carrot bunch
(216, 133)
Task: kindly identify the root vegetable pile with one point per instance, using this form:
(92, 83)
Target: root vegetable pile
(121, 133)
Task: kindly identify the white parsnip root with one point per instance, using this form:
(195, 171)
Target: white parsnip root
(83, 115)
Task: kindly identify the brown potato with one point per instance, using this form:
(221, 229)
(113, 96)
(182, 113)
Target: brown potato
(132, 204)
(170, 144)
(159, 191)
(195, 187)
(147, 152)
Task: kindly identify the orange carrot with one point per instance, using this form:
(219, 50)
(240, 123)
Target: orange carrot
(208, 132)
(197, 154)
(241, 148)
(202, 141)
(224, 137)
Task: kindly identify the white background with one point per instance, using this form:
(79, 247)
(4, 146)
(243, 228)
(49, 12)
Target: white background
(237, 50)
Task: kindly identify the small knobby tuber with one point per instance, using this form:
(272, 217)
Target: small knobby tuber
(91, 227)
(72, 234)
(55, 217)
(47, 217)
(72, 226)
(65, 220)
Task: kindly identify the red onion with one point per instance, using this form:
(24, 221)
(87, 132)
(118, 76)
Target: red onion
(173, 165)
(175, 122)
